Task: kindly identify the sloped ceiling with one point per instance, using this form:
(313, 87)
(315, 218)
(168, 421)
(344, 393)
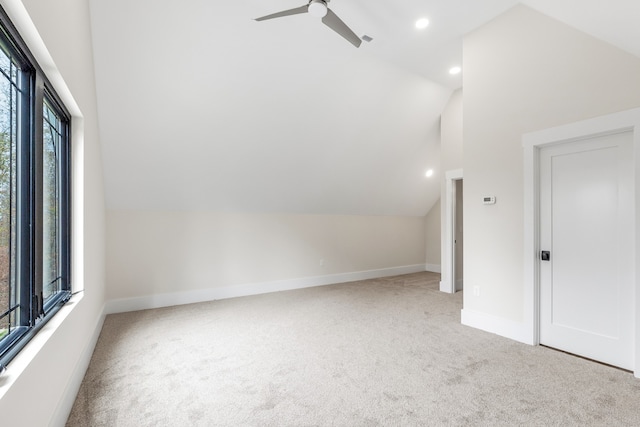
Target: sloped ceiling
(202, 108)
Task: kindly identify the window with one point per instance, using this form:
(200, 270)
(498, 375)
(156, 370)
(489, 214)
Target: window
(34, 196)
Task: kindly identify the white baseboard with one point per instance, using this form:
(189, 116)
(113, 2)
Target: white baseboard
(202, 295)
(497, 325)
(65, 404)
(434, 268)
(445, 286)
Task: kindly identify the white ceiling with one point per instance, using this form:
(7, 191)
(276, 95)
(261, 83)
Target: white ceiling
(201, 107)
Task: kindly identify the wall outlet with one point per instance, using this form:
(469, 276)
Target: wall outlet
(321, 263)
(476, 291)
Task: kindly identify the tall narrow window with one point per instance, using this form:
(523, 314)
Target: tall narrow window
(35, 196)
(9, 291)
(52, 138)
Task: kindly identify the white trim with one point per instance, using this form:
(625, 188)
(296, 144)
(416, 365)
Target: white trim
(434, 268)
(211, 294)
(531, 241)
(63, 409)
(623, 121)
(496, 325)
(447, 285)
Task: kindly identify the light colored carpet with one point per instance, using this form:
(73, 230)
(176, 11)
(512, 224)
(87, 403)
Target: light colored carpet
(388, 352)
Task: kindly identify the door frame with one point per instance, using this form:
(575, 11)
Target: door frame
(447, 283)
(532, 143)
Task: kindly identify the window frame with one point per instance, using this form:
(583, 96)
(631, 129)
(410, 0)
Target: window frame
(34, 90)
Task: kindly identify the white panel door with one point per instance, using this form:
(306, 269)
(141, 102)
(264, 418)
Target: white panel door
(586, 224)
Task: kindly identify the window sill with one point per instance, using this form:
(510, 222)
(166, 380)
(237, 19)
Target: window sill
(28, 354)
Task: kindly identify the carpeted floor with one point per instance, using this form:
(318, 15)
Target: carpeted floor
(388, 352)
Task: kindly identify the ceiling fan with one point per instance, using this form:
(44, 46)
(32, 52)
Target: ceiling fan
(320, 9)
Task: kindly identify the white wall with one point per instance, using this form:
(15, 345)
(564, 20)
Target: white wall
(450, 161)
(522, 72)
(451, 133)
(450, 148)
(432, 224)
(41, 383)
(151, 253)
(265, 124)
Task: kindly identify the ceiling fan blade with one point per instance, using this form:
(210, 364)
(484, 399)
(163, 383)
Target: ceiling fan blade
(296, 11)
(332, 21)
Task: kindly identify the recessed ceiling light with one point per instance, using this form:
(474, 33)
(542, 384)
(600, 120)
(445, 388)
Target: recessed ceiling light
(455, 70)
(422, 23)
(429, 173)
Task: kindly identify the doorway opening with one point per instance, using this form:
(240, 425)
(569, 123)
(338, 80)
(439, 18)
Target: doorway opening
(458, 237)
(451, 242)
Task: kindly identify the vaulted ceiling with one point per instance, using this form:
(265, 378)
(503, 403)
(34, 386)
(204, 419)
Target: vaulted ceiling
(203, 108)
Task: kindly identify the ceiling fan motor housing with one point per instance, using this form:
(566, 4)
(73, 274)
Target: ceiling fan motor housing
(318, 8)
